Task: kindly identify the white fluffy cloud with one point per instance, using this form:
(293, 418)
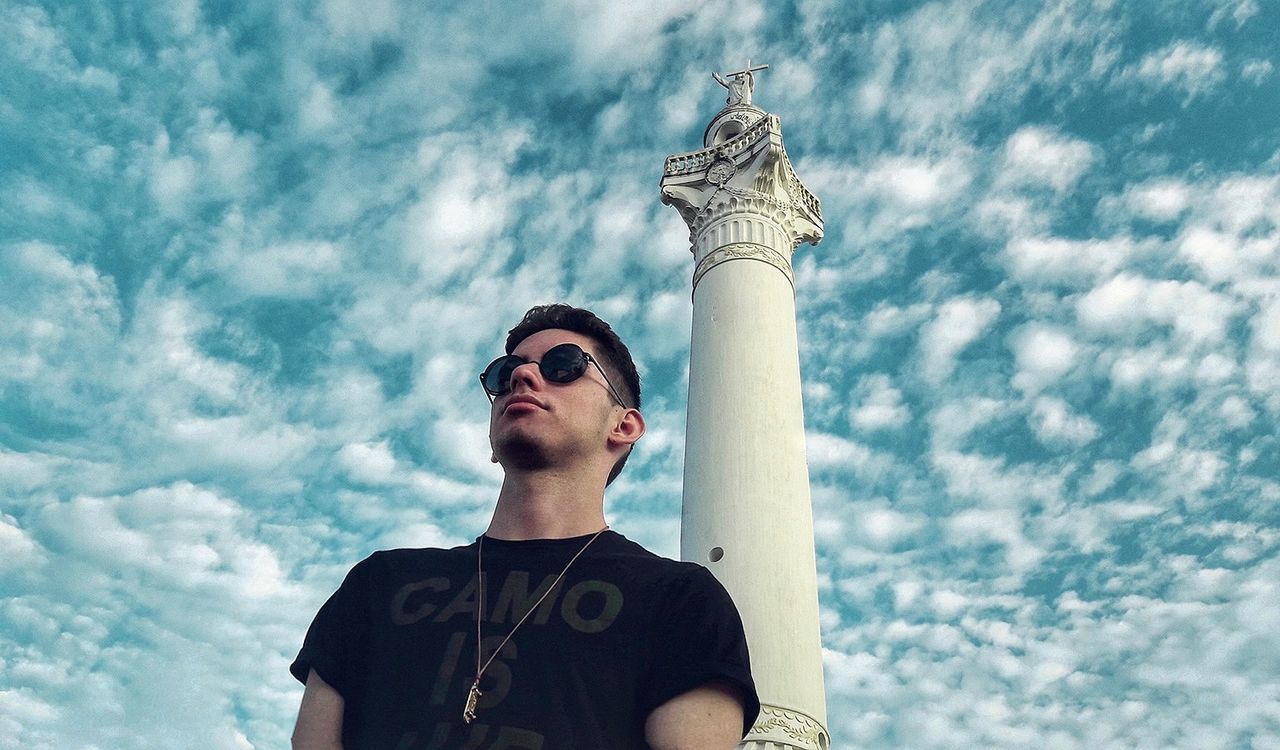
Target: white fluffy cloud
(1262, 365)
(1043, 355)
(17, 549)
(1056, 424)
(287, 269)
(1038, 156)
(877, 405)
(1256, 71)
(1058, 260)
(218, 602)
(957, 324)
(1188, 66)
(1127, 302)
(371, 463)
(1162, 199)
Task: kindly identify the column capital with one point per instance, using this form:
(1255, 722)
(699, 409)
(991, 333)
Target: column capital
(750, 167)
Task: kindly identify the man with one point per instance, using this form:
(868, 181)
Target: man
(551, 632)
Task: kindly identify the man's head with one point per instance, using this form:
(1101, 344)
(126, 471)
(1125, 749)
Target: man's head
(614, 355)
(600, 342)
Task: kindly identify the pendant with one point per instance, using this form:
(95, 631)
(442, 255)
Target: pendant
(469, 713)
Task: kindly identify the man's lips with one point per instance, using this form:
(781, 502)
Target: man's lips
(522, 399)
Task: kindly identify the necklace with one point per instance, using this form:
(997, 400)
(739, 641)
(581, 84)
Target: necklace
(473, 695)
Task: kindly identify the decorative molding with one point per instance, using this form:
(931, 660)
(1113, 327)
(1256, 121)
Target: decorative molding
(696, 161)
(787, 728)
(740, 201)
(739, 250)
(729, 202)
(800, 193)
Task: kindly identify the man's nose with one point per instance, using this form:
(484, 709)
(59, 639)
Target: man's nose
(526, 373)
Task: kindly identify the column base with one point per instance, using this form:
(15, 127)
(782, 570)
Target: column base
(779, 728)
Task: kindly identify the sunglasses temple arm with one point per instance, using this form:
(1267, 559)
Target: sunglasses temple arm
(608, 382)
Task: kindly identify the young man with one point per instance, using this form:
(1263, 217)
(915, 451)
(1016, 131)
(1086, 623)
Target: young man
(550, 632)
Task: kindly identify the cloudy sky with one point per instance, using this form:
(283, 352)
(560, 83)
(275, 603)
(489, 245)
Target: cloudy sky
(252, 255)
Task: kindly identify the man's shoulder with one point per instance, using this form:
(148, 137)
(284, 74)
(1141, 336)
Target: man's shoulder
(635, 554)
(401, 559)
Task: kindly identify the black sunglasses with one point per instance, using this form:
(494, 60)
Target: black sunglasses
(562, 363)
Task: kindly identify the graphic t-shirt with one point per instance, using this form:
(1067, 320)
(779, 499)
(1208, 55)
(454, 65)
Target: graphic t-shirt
(625, 631)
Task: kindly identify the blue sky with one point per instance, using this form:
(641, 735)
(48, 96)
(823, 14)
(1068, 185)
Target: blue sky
(253, 254)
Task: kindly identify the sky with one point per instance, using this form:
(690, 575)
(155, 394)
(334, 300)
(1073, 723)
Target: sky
(252, 255)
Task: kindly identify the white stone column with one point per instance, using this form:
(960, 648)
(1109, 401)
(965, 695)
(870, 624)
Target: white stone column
(747, 514)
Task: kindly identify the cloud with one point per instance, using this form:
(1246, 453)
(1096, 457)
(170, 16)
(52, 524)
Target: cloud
(877, 405)
(35, 41)
(893, 195)
(1039, 156)
(1161, 199)
(17, 549)
(287, 270)
(1256, 71)
(54, 315)
(831, 452)
(216, 600)
(916, 184)
(208, 162)
(995, 484)
(454, 228)
(957, 324)
(882, 528)
(1127, 303)
(371, 463)
(1262, 366)
(623, 36)
(362, 21)
(1186, 472)
(945, 61)
(1184, 65)
(952, 422)
(1056, 424)
(1240, 11)
(1043, 355)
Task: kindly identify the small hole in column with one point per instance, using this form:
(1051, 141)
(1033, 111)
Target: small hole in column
(715, 554)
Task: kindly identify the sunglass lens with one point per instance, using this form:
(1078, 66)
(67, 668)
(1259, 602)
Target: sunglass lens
(563, 363)
(497, 376)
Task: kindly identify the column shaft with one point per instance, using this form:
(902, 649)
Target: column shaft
(747, 513)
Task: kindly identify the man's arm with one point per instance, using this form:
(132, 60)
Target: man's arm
(319, 724)
(705, 718)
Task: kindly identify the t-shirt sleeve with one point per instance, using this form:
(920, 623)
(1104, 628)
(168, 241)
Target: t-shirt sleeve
(698, 638)
(338, 634)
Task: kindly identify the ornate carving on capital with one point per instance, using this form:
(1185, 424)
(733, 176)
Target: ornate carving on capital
(696, 161)
(787, 728)
(802, 194)
(729, 201)
(741, 190)
(737, 250)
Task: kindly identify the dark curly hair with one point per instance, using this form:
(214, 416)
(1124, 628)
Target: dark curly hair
(614, 355)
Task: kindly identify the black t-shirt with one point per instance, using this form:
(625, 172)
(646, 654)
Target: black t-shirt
(625, 631)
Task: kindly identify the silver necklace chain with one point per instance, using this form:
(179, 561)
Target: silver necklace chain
(473, 695)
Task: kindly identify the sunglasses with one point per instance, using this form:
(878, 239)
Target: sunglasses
(562, 363)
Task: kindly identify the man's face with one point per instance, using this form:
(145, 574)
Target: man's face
(542, 424)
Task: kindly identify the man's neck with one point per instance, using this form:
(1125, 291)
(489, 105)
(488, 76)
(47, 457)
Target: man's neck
(546, 505)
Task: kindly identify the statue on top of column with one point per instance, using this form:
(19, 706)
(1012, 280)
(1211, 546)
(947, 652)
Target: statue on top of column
(740, 83)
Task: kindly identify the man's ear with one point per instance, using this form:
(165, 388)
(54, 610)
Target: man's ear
(628, 429)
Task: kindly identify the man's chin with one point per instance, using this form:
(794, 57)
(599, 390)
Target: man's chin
(521, 453)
